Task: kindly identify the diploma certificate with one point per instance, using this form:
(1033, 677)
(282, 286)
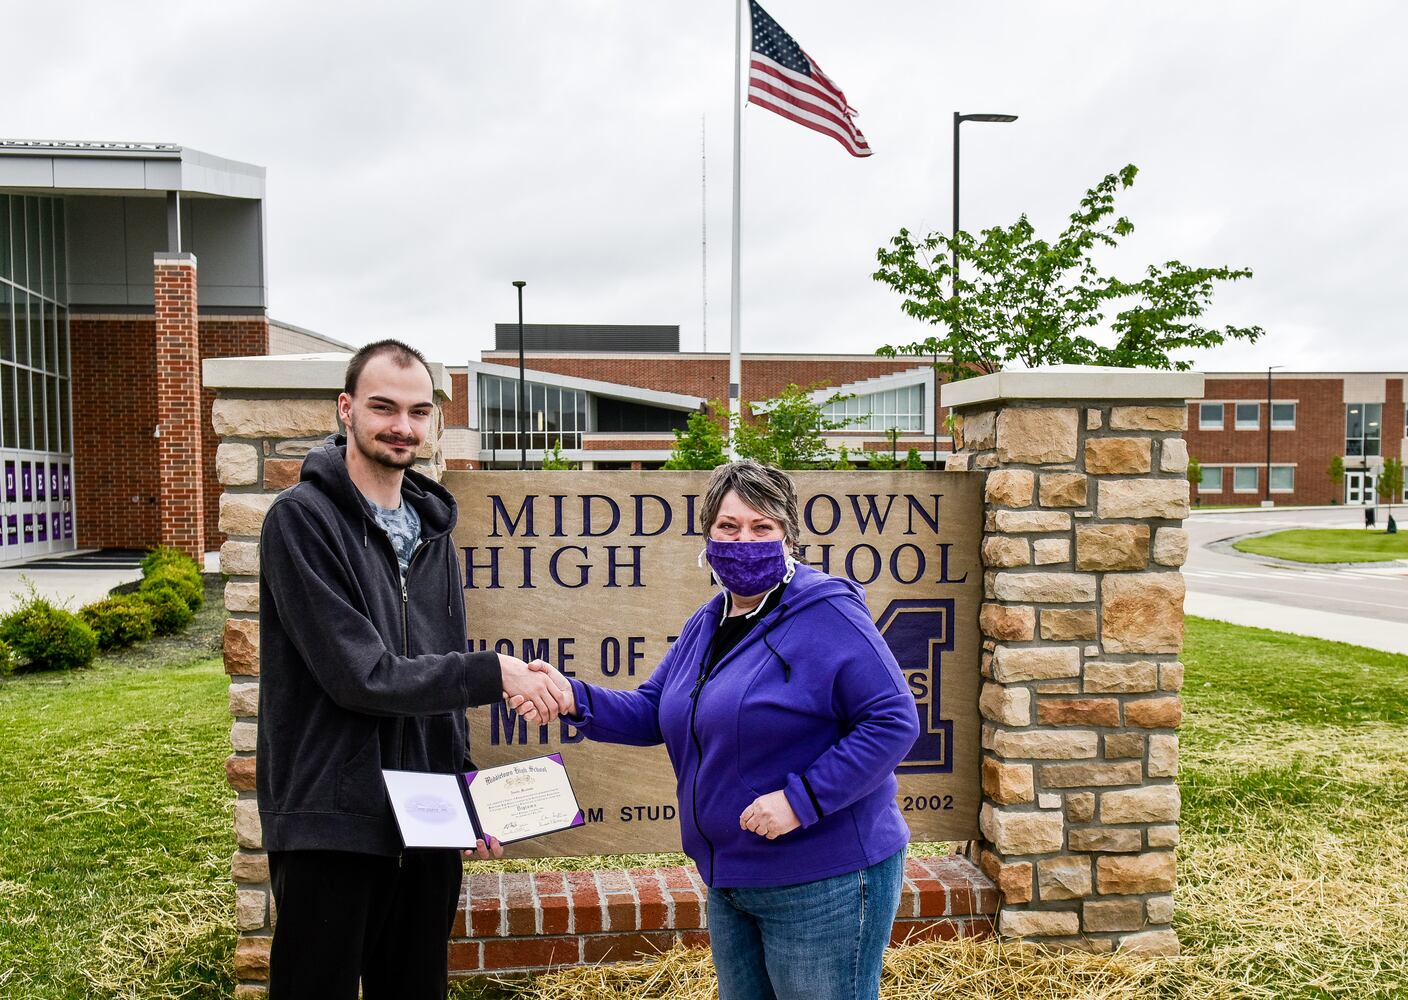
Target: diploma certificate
(430, 809)
(526, 799)
(511, 802)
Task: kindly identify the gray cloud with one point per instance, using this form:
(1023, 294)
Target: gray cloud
(422, 156)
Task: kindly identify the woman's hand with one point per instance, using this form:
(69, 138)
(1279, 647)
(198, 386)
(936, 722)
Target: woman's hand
(485, 851)
(566, 704)
(770, 816)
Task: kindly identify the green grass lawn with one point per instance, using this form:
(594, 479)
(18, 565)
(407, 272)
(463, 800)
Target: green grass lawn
(1328, 545)
(115, 825)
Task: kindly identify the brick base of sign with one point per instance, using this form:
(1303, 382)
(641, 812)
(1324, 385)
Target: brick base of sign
(534, 922)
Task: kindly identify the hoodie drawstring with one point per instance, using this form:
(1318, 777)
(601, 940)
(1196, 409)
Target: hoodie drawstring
(786, 667)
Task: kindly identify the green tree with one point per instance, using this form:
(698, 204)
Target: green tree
(553, 460)
(790, 432)
(700, 445)
(843, 461)
(882, 461)
(1023, 300)
(1195, 476)
(1391, 480)
(1336, 474)
(913, 461)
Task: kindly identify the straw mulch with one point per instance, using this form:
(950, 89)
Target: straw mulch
(1293, 883)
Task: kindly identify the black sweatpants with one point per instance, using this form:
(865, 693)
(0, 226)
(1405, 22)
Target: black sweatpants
(346, 917)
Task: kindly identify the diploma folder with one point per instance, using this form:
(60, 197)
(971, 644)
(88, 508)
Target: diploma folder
(511, 802)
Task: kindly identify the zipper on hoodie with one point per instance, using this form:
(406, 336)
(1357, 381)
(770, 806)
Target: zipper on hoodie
(405, 628)
(405, 622)
(706, 672)
(699, 755)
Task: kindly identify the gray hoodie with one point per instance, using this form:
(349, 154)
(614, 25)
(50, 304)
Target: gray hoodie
(358, 671)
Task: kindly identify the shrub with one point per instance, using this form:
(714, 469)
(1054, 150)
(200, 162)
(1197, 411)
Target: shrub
(170, 612)
(7, 659)
(163, 556)
(188, 585)
(46, 637)
(119, 622)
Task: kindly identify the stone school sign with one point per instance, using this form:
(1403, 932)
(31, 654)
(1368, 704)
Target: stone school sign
(597, 573)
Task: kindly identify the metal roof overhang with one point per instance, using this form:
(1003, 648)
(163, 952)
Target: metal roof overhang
(124, 168)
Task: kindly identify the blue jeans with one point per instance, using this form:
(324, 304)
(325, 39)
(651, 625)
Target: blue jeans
(820, 940)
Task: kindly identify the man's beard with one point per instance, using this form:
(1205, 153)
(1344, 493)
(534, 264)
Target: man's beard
(379, 451)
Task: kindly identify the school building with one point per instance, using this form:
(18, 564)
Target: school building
(1260, 440)
(613, 395)
(123, 265)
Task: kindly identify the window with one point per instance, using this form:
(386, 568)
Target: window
(1283, 479)
(1211, 482)
(1283, 416)
(1362, 428)
(1210, 417)
(881, 411)
(1245, 479)
(1248, 416)
(551, 414)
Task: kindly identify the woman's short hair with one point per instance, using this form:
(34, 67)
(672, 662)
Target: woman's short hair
(769, 491)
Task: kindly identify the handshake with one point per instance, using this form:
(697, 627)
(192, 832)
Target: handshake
(537, 691)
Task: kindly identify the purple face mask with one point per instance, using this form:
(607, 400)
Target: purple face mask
(748, 568)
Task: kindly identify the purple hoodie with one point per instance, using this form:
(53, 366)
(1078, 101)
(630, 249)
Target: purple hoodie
(810, 701)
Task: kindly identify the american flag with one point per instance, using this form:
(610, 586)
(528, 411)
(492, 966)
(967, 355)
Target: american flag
(788, 82)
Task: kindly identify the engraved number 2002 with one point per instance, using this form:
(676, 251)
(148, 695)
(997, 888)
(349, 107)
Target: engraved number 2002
(927, 803)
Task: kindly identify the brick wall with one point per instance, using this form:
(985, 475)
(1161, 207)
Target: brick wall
(1317, 438)
(457, 406)
(115, 413)
(532, 922)
(181, 495)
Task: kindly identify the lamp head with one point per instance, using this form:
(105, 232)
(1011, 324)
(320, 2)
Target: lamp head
(987, 118)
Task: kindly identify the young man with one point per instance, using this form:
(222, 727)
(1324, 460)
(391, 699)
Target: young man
(363, 667)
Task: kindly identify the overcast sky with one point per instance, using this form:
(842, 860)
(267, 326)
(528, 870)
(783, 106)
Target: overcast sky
(421, 155)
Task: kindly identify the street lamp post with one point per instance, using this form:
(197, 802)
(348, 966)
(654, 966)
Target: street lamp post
(1269, 370)
(958, 119)
(518, 424)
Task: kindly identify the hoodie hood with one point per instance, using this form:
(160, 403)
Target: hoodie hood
(326, 468)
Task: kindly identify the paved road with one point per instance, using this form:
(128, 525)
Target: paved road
(1365, 604)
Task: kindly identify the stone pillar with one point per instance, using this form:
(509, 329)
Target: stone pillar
(1082, 628)
(180, 497)
(268, 412)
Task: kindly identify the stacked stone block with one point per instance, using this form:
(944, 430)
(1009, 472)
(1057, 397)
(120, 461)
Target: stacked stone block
(1082, 627)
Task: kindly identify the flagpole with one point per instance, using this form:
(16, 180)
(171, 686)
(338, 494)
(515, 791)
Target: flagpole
(735, 360)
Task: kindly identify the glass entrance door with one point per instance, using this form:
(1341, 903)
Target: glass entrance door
(1359, 488)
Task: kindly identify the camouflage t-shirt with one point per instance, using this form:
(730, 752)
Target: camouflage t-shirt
(402, 526)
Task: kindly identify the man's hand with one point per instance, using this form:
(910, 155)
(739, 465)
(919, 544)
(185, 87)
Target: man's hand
(534, 688)
(483, 852)
(565, 702)
(770, 816)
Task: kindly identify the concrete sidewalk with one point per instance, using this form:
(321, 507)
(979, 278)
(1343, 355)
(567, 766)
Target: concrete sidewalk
(1391, 637)
(75, 584)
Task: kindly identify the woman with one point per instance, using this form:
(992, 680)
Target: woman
(784, 714)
